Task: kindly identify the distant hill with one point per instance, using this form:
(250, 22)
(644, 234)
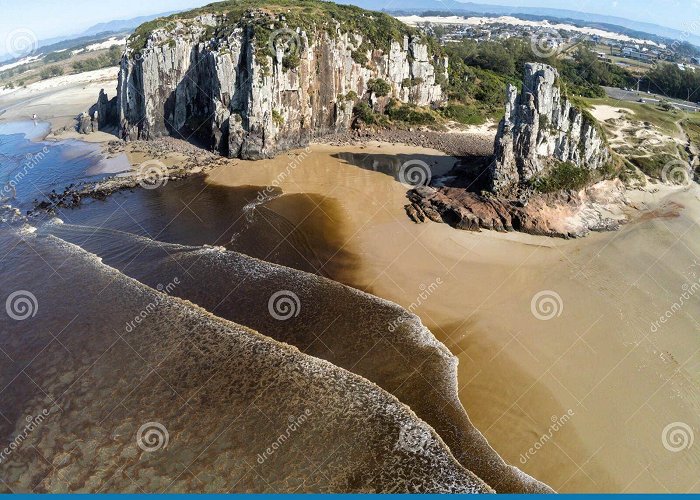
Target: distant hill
(122, 25)
(93, 34)
(611, 23)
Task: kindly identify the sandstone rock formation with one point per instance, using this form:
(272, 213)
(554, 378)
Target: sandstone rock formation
(258, 84)
(540, 132)
(540, 128)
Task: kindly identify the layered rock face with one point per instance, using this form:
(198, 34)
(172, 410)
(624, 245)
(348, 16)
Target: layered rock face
(249, 97)
(540, 131)
(540, 128)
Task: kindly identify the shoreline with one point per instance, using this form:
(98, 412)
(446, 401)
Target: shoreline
(482, 274)
(516, 371)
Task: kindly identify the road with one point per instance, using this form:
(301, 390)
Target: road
(634, 96)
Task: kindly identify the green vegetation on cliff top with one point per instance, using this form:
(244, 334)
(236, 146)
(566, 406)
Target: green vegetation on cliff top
(313, 16)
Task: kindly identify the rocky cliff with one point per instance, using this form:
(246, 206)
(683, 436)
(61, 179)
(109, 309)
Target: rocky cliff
(254, 80)
(547, 154)
(540, 129)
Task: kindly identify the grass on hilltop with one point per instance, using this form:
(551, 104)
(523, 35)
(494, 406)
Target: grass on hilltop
(377, 29)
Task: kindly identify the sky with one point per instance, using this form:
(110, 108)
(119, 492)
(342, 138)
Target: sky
(51, 18)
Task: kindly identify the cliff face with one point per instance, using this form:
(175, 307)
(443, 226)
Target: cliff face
(540, 128)
(252, 95)
(540, 132)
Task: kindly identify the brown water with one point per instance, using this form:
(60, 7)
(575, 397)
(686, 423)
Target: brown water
(592, 399)
(109, 385)
(611, 383)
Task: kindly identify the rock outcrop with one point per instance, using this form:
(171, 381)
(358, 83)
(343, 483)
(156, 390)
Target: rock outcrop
(540, 133)
(539, 129)
(561, 215)
(257, 85)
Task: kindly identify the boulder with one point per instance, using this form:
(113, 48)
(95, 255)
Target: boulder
(540, 128)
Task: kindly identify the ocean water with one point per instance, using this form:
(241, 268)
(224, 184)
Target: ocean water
(188, 339)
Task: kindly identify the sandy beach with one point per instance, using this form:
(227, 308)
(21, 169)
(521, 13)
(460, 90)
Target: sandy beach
(59, 100)
(565, 364)
(547, 331)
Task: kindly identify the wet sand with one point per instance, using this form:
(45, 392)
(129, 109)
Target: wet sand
(581, 400)
(112, 386)
(59, 100)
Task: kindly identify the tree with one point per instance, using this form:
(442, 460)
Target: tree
(379, 87)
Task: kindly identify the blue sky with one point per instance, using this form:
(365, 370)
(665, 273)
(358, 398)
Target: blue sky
(51, 18)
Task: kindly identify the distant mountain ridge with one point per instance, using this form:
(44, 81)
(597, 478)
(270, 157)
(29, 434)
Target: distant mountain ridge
(92, 34)
(121, 25)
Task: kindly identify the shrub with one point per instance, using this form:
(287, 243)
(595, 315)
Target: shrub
(359, 57)
(277, 118)
(379, 87)
(461, 113)
(290, 61)
(408, 113)
(365, 113)
(651, 165)
(50, 71)
(564, 175)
